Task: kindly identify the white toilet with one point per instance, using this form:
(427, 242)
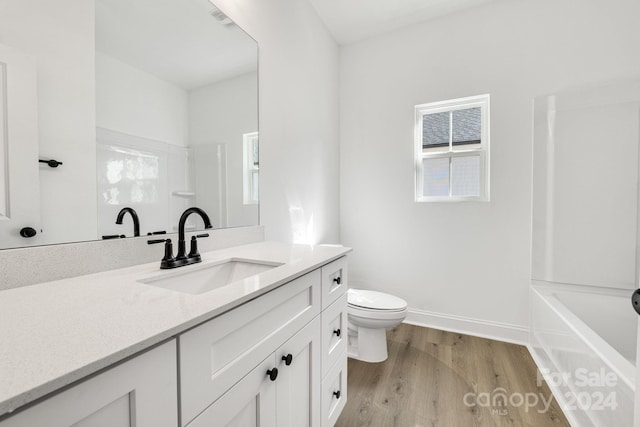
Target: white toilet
(370, 314)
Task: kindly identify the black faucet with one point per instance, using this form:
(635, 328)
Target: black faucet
(134, 215)
(168, 261)
(182, 252)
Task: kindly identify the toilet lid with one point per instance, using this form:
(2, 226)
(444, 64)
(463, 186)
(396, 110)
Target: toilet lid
(375, 300)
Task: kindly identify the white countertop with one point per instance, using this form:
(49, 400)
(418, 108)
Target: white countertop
(53, 334)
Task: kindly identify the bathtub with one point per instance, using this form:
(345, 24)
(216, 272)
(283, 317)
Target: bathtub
(583, 340)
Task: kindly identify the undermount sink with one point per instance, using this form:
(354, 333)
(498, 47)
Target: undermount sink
(206, 277)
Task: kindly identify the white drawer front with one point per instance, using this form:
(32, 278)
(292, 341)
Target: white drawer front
(334, 392)
(334, 333)
(334, 281)
(217, 354)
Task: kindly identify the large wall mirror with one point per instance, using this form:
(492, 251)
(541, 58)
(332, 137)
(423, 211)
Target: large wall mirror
(146, 104)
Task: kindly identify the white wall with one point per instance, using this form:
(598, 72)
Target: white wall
(463, 260)
(298, 98)
(134, 102)
(61, 37)
(585, 186)
(221, 113)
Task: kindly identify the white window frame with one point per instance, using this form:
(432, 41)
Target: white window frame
(450, 152)
(249, 168)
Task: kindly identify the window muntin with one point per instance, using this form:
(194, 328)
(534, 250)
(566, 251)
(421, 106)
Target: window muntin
(452, 143)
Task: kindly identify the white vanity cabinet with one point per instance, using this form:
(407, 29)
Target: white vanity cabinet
(278, 360)
(217, 354)
(333, 394)
(288, 398)
(225, 363)
(140, 392)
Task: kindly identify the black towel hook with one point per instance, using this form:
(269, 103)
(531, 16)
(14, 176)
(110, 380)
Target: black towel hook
(52, 163)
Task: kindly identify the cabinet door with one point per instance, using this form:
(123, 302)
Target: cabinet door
(249, 403)
(298, 385)
(141, 392)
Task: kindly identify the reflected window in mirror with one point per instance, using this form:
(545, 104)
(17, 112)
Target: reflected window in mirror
(251, 169)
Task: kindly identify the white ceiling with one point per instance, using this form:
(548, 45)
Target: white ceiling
(354, 20)
(176, 40)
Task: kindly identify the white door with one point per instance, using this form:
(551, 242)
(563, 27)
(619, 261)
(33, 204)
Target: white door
(19, 183)
(249, 403)
(298, 383)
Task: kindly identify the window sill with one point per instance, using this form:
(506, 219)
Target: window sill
(452, 199)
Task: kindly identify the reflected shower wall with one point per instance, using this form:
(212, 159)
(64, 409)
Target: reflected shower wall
(585, 186)
(210, 163)
(159, 180)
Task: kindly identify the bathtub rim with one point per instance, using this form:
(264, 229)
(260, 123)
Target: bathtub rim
(622, 367)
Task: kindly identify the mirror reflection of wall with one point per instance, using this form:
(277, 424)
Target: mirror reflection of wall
(60, 37)
(148, 100)
(183, 119)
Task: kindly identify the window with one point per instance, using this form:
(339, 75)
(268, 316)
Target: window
(251, 168)
(452, 150)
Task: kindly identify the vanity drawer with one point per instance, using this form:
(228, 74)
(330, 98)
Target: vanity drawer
(334, 333)
(334, 281)
(334, 392)
(217, 354)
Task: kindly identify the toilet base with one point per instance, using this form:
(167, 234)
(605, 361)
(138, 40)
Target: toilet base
(368, 345)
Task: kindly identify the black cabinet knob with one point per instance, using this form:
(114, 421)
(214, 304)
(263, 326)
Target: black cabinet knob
(273, 374)
(337, 394)
(337, 332)
(288, 359)
(27, 232)
(338, 280)
(635, 300)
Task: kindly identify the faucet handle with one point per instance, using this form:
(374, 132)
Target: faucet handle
(168, 248)
(168, 251)
(193, 250)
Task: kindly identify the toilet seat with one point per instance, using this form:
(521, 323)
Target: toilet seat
(364, 313)
(374, 302)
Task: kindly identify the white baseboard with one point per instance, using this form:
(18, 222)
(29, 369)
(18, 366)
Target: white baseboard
(466, 325)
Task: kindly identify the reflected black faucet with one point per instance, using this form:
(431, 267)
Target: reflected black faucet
(134, 215)
(182, 252)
